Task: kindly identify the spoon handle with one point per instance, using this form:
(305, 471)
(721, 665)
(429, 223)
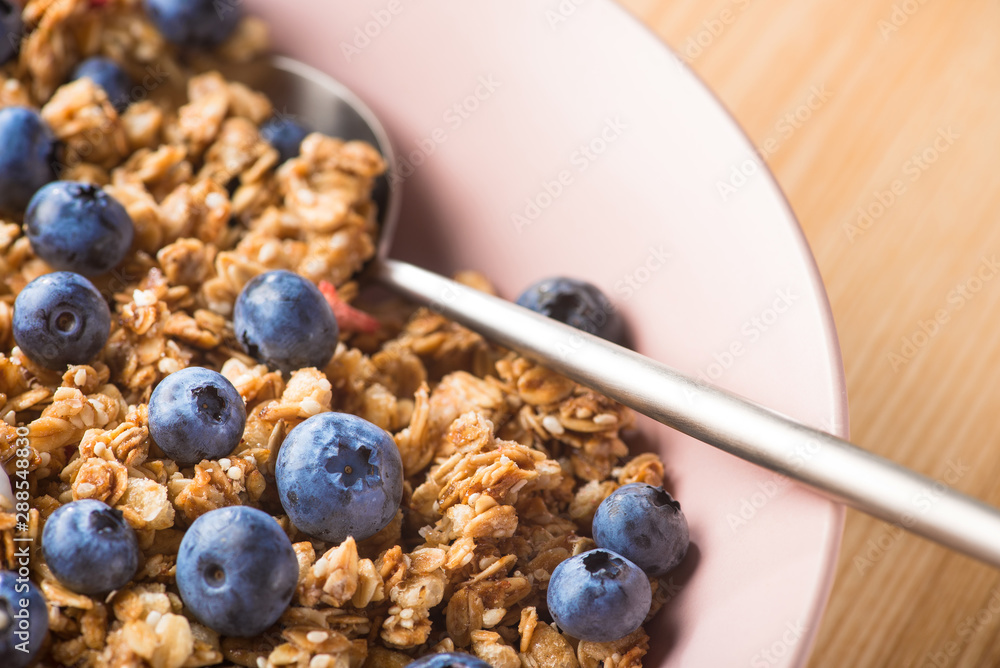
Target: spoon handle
(830, 465)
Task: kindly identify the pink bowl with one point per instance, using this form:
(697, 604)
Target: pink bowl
(560, 137)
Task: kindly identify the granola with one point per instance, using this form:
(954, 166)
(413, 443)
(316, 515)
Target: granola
(505, 461)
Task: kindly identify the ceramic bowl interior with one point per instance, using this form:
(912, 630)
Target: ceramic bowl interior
(560, 138)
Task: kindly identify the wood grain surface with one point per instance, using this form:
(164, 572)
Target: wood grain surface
(881, 122)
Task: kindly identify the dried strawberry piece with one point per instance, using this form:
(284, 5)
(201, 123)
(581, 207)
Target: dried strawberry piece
(349, 319)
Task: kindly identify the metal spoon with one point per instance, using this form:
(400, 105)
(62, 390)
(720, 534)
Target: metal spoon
(830, 465)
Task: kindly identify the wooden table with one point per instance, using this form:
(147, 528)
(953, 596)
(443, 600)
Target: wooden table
(894, 177)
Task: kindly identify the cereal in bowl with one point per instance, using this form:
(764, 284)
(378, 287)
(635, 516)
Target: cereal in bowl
(436, 481)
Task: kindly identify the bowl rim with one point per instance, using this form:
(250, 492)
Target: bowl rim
(841, 419)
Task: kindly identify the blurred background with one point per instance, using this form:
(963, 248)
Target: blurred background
(879, 120)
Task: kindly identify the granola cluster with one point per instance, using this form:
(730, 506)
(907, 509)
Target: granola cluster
(505, 462)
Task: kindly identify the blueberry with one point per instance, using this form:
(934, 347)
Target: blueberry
(13, 596)
(449, 660)
(339, 475)
(196, 414)
(197, 23)
(285, 135)
(110, 76)
(598, 596)
(12, 27)
(27, 152)
(61, 319)
(236, 570)
(644, 524)
(284, 321)
(575, 303)
(78, 227)
(89, 547)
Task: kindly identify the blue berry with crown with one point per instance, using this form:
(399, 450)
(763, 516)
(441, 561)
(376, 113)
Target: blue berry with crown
(76, 226)
(339, 475)
(598, 596)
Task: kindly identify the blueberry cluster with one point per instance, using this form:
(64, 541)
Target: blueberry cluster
(337, 475)
(604, 594)
(236, 569)
(640, 530)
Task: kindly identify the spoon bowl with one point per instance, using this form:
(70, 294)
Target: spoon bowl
(320, 103)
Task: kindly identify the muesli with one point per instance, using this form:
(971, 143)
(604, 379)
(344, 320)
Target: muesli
(505, 462)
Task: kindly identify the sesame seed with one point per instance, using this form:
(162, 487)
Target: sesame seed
(606, 419)
(493, 616)
(168, 365)
(153, 618)
(143, 297)
(80, 377)
(268, 252)
(407, 613)
(225, 463)
(235, 473)
(261, 662)
(322, 661)
(215, 200)
(317, 637)
(553, 425)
